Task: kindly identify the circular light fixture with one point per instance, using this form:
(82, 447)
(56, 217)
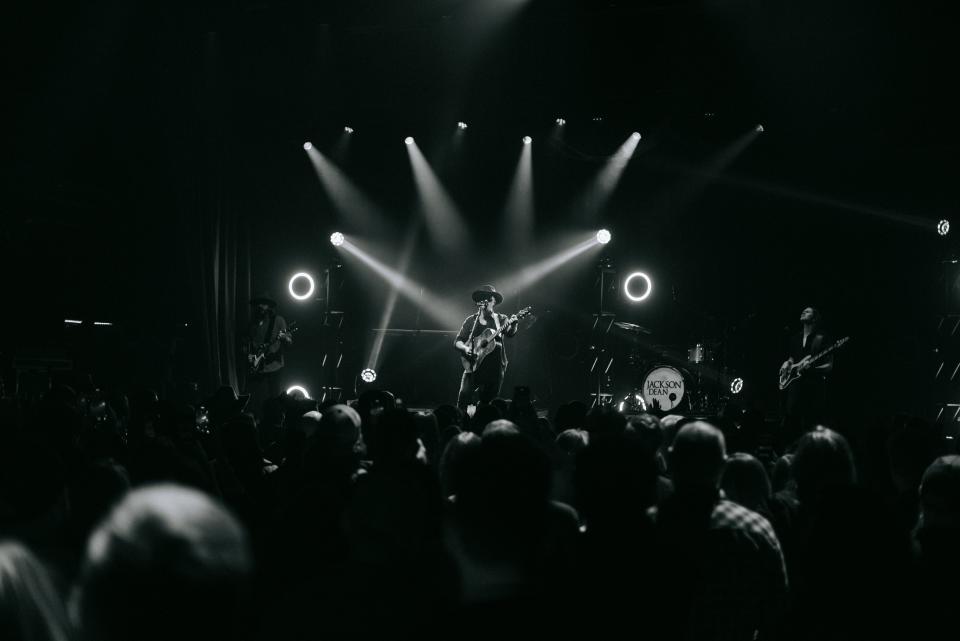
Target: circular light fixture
(368, 375)
(527, 140)
(561, 121)
(308, 146)
(603, 236)
(759, 129)
(408, 140)
(628, 291)
(294, 390)
(943, 227)
(461, 125)
(736, 385)
(310, 286)
(348, 129)
(336, 239)
(635, 135)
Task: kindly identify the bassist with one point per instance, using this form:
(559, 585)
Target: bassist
(484, 383)
(806, 399)
(267, 336)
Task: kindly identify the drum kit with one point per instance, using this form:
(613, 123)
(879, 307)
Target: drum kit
(673, 379)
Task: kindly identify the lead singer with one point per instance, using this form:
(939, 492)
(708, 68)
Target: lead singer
(484, 383)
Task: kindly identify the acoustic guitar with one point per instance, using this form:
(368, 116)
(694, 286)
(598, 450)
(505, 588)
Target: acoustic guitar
(482, 344)
(257, 357)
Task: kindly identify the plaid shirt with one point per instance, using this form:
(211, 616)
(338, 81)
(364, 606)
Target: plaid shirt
(733, 516)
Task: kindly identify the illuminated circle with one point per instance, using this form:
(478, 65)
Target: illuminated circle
(368, 375)
(635, 135)
(628, 292)
(294, 390)
(310, 286)
(736, 385)
(408, 140)
(336, 239)
(943, 227)
(308, 146)
(527, 140)
(603, 237)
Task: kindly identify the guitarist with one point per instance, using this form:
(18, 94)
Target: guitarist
(266, 338)
(806, 398)
(485, 382)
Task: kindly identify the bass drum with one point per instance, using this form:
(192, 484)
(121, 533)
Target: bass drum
(663, 388)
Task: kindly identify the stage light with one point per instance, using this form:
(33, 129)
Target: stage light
(561, 121)
(597, 118)
(71, 321)
(408, 140)
(307, 146)
(603, 237)
(943, 227)
(294, 390)
(102, 324)
(348, 130)
(310, 286)
(736, 385)
(336, 239)
(759, 129)
(527, 140)
(628, 292)
(461, 125)
(635, 135)
(368, 375)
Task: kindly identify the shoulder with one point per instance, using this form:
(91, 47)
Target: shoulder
(730, 515)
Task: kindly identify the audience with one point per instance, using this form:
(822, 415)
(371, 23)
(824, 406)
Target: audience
(368, 520)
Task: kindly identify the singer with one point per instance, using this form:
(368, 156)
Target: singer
(484, 384)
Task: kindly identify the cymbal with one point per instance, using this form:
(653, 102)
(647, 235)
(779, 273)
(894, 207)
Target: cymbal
(632, 327)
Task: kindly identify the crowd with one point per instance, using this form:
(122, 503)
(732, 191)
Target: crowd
(129, 517)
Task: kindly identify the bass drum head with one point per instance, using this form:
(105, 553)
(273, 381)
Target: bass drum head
(663, 388)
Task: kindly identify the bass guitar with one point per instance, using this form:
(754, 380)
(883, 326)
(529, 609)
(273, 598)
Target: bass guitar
(258, 356)
(485, 342)
(794, 371)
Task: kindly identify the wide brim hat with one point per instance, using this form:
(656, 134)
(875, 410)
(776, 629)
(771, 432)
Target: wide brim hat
(486, 291)
(263, 299)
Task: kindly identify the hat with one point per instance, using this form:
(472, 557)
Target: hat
(263, 299)
(485, 292)
(226, 403)
(940, 492)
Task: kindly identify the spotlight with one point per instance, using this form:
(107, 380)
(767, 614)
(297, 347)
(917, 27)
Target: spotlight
(597, 118)
(461, 125)
(635, 135)
(348, 130)
(408, 140)
(736, 385)
(943, 227)
(561, 121)
(308, 146)
(603, 237)
(296, 390)
(636, 298)
(527, 140)
(368, 375)
(336, 239)
(759, 129)
(310, 286)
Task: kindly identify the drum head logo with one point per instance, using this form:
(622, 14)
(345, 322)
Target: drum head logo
(663, 388)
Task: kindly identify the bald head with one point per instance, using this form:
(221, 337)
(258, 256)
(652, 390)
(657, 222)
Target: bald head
(697, 456)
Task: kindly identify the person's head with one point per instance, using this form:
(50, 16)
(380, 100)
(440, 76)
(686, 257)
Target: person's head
(745, 481)
(810, 316)
(485, 414)
(488, 297)
(697, 456)
(823, 459)
(605, 419)
(500, 426)
(451, 461)
(168, 562)
(940, 494)
(393, 436)
(570, 442)
(30, 608)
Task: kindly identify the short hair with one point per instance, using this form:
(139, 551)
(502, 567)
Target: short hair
(168, 562)
(745, 481)
(697, 455)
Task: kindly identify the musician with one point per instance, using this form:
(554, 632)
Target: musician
(484, 383)
(266, 338)
(806, 398)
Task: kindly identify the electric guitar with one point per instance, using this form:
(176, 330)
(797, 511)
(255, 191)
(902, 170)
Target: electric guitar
(792, 372)
(257, 357)
(485, 342)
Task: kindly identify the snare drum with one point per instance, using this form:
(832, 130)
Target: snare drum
(663, 388)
